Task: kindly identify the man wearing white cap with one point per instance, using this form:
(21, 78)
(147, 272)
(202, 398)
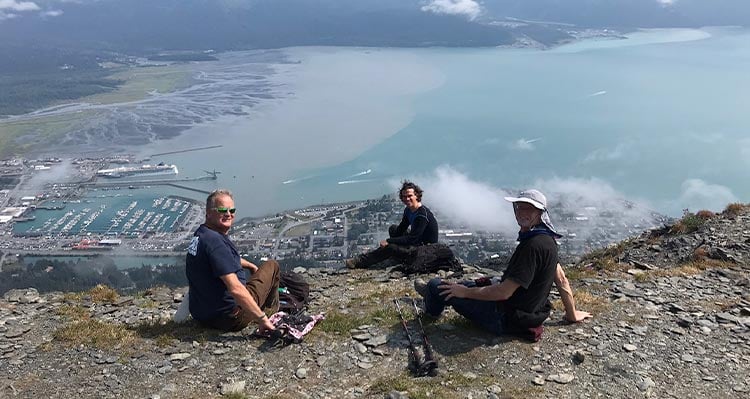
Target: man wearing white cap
(519, 302)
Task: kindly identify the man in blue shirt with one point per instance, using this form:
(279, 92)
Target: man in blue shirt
(221, 295)
(418, 227)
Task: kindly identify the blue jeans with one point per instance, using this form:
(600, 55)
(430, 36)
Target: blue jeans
(483, 313)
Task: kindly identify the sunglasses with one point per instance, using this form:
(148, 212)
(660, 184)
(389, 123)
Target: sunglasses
(225, 210)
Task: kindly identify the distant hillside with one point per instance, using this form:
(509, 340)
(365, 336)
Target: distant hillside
(626, 13)
(41, 37)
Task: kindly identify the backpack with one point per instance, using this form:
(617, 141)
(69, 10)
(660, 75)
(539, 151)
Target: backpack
(294, 292)
(430, 258)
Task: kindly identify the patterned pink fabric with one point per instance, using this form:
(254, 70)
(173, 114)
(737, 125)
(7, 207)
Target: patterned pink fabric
(294, 331)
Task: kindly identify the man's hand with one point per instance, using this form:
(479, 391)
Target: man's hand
(453, 290)
(383, 243)
(264, 325)
(248, 265)
(578, 317)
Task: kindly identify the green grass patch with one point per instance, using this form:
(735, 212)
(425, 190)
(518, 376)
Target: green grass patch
(94, 333)
(607, 259)
(449, 385)
(341, 323)
(386, 315)
(685, 270)
(103, 294)
(99, 294)
(580, 272)
(73, 312)
(690, 222)
(421, 388)
(147, 303)
(139, 82)
(736, 208)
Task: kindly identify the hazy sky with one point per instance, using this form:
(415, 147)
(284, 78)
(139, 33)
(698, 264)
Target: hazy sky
(471, 9)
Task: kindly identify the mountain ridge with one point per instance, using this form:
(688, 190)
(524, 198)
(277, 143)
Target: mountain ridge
(671, 318)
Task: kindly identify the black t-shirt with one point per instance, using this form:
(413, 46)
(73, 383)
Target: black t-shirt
(424, 228)
(533, 266)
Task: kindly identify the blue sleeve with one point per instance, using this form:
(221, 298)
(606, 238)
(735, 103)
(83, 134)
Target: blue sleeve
(401, 229)
(221, 257)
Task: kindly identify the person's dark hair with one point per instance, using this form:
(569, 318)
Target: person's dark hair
(214, 194)
(405, 185)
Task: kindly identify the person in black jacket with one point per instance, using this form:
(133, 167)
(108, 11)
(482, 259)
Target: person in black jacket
(418, 227)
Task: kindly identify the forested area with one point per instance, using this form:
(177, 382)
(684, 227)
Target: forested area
(73, 276)
(26, 93)
(69, 276)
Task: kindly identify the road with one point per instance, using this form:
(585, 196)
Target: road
(297, 222)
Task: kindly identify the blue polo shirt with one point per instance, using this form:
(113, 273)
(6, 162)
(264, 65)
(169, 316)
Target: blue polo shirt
(210, 256)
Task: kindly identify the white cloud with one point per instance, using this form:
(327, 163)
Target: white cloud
(584, 192)
(469, 8)
(51, 13)
(15, 5)
(476, 205)
(697, 195)
(481, 206)
(666, 2)
(592, 198)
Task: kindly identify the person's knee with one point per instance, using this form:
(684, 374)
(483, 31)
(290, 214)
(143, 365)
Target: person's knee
(272, 264)
(433, 284)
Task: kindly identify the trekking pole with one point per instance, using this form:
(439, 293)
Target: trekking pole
(429, 366)
(415, 359)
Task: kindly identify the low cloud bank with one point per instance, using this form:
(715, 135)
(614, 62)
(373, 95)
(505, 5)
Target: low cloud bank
(10, 8)
(478, 205)
(469, 8)
(698, 194)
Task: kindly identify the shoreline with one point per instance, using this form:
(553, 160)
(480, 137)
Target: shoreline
(324, 122)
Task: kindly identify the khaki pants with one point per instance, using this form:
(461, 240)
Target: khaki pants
(263, 286)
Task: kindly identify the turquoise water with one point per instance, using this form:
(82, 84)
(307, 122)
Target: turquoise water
(664, 123)
(657, 118)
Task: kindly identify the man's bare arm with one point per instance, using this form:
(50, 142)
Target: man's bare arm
(566, 294)
(246, 301)
(494, 292)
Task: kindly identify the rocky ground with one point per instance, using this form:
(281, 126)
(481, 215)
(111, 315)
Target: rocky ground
(672, 319)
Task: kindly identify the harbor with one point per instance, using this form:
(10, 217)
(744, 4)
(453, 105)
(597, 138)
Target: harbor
(112, 215)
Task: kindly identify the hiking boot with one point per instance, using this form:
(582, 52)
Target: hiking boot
(352, 263)
(421, 287)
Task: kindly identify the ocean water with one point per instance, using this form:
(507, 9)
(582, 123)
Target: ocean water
(658, 118)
